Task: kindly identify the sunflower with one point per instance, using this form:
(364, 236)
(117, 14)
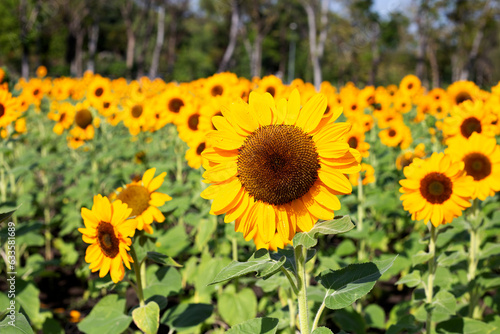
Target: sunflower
(467, 118)
(190, 123)
(141, 196)
(196, 148)
(108, 232)
(410, 85)
(41, 71)
(481, 157)
(63, 114)
(8, 108)
(219, 84)
(275, 168)
(369, 175)
(272, 85)
(402, 103)
(436, 189)
(356, 140)
(84, 121)
(406, 158)
(398, 134)
(173, 100)
(136, 116)
(462, 91)
(98, 89)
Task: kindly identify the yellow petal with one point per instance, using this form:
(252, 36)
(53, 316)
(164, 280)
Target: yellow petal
(335, 181)
(148, 176)
(312, 112)
(293, 107)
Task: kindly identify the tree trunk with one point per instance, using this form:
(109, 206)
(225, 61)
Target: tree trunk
(422, 41)
(76, 66)
(375, 59)
(233, 36)
(256, 56)
(171, 44)
(126, 14)
(316, 47)
(92, 45)
(23, 19)
(160, 35)
(431, 55)
(143, 47)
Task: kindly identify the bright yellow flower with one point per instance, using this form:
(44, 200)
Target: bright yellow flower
(436, 189)
(141, 196)
(108, 232)
(275, 169)
(481, 157)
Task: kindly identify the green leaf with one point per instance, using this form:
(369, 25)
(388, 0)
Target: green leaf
(27, 295)
(147, 317)
(256, 326)
(107, 316)
(327, 227)
(411, 280)
(162, 281)
(347, 285)
(173, 242)
(186, 315)
(206, 229)
(260, 262)
(375, 316)
(5, 214)
(322, 330)
(420, 257)
(289, 254)
(349, 320)
(489, 249)
(447, 260)
(237, 307)
(162, 259)
(444, 303)
(15, 324)
(464, 326)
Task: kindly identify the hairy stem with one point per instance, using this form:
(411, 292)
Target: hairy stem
(300, 264)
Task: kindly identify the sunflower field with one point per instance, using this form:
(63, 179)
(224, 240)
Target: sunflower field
(229, 205)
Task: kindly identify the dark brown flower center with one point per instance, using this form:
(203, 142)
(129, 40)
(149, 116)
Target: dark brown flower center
(2, 110)
(136, 111)
(271, 90)
(193, 121)
(108, 242)
(98, 92)
(477, 165)
(353, 142)
(83, 118)
(200, 148)
(392, 133)
(278, 164)
(63, 116)
(462, 96)
(136, 197)
(354, 107)
(106, 105)
(436, 187)
(36, 92)
(175, 105)
(217, 90)
(410, 86)
(469, 126)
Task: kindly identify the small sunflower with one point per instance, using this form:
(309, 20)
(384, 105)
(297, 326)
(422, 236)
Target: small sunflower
(84, 120)
(98, 89)
(398, 134)
(108, 232)
(368, 173)
(481, 157)
(63, 114)
(406, 158)
(275, 169)
(410, 85)
(436, 189)
(190, 123)
(271, 84)
(462, 91)
(141, 196)
(196, 148)
(467, 118)
(8, 108)
(356, 140)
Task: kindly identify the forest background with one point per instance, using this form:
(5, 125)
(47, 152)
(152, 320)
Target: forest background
(182, 40)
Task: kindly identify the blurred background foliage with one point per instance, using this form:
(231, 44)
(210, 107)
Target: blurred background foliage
(182, 40)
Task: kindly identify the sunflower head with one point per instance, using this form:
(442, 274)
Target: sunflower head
(143, 199)
(108, 232)
(436, 189)
(275, 168)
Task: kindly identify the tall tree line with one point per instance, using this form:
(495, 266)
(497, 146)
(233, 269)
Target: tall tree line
(335, 40)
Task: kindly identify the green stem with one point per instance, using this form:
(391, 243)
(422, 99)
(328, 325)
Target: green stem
(361, 211)
(137, 270)
(234, 244)
(475, 243)
(292, 311)
(3, 184)
(318, 315)
(300, 265)
(429, 291)
(290, 279)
